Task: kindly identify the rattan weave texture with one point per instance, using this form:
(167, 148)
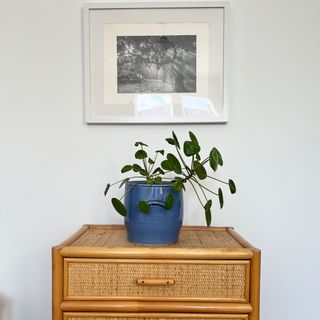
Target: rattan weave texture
(218, 281)
(116, 237)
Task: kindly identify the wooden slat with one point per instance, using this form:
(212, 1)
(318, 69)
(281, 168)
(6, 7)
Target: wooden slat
(157, 253)
(57, 285)
(139, 306)
(169, 316)
(255, 284)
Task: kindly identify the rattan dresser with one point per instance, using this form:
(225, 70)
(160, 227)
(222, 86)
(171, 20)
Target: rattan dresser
(211, 273)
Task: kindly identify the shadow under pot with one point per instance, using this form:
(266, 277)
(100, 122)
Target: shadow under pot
(159, 225)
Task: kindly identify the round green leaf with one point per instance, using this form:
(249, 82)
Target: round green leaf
(177, 185)
(158, 170)
(141, 154)
(200, 170)
(176, 141)
(220, 195)
(123, 182)
(213, 159)
(107, 189)
(143, 172)
(136, 168)
(139, 143)
(190, 149)
(169, 202)
(126, 168)
(170, 141)
(165, 165)
(150, 180)
(193, 139)
(217, 155)
(174, 163)
(119, 207)
(208, 204)
(208, 216)
(158, 180)
(143, 206)
(232, 186)
(160, 151)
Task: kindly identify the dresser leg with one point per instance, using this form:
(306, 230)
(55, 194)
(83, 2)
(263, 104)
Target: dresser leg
(57, 285)
(255, 285)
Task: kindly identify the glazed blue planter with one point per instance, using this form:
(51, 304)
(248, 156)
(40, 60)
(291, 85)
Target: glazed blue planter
(158, 226)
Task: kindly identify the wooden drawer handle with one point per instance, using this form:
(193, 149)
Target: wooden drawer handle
(155, 282)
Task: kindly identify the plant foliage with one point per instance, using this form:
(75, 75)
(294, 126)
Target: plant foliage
(181, 168)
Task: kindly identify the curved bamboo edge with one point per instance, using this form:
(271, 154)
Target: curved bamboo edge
(68, 315)
(136, 306)
(240, 239)
(57, 283)
(158, 253)
(255, 285)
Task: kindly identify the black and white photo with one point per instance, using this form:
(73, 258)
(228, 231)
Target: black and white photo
(156, 64)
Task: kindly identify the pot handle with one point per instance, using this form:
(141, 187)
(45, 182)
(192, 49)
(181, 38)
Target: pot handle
(156, 203)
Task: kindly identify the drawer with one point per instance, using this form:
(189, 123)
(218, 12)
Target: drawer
(156, 280)
(151, 316)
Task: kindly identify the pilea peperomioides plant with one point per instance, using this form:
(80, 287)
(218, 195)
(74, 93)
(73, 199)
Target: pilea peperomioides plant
(185, 166)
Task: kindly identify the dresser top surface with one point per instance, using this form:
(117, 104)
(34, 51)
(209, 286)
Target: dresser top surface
(114, 236)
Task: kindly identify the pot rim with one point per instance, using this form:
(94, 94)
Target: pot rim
(144, 184)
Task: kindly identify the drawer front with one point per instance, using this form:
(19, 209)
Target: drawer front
(159, 280)
(106, 316)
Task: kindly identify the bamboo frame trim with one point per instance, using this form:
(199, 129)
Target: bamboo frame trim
(255, 285)
(239, 238)
(246, 263)
(67, 315)
(57, 283)
(163, 253)
(121, 226)
(139, 306)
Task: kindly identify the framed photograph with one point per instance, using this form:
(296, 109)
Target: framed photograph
(155, 62)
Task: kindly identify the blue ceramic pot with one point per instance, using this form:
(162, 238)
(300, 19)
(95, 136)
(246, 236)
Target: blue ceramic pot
(158, 226)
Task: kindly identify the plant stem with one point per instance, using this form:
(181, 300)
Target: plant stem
(133, 177)
(145, 164)
(127, 191)
(154, 161)
(195, 190)
(205, 161)
(202, 186)
(217, 180)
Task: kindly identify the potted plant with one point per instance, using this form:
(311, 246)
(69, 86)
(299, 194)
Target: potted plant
(153, 200)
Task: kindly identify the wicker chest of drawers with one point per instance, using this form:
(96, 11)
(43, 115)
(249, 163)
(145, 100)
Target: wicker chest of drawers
(211, 273)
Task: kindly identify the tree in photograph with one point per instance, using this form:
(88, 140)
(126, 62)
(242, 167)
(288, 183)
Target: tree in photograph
(174, 55)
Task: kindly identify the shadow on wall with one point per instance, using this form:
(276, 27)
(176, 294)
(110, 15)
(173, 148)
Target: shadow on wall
(5, 308)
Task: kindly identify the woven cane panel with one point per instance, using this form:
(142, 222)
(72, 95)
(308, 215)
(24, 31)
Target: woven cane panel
(117, 237)
(218, 281)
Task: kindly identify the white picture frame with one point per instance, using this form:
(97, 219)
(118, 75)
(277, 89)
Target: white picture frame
(159, 62)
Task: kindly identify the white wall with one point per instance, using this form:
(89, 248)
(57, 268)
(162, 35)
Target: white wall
(53, 167)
